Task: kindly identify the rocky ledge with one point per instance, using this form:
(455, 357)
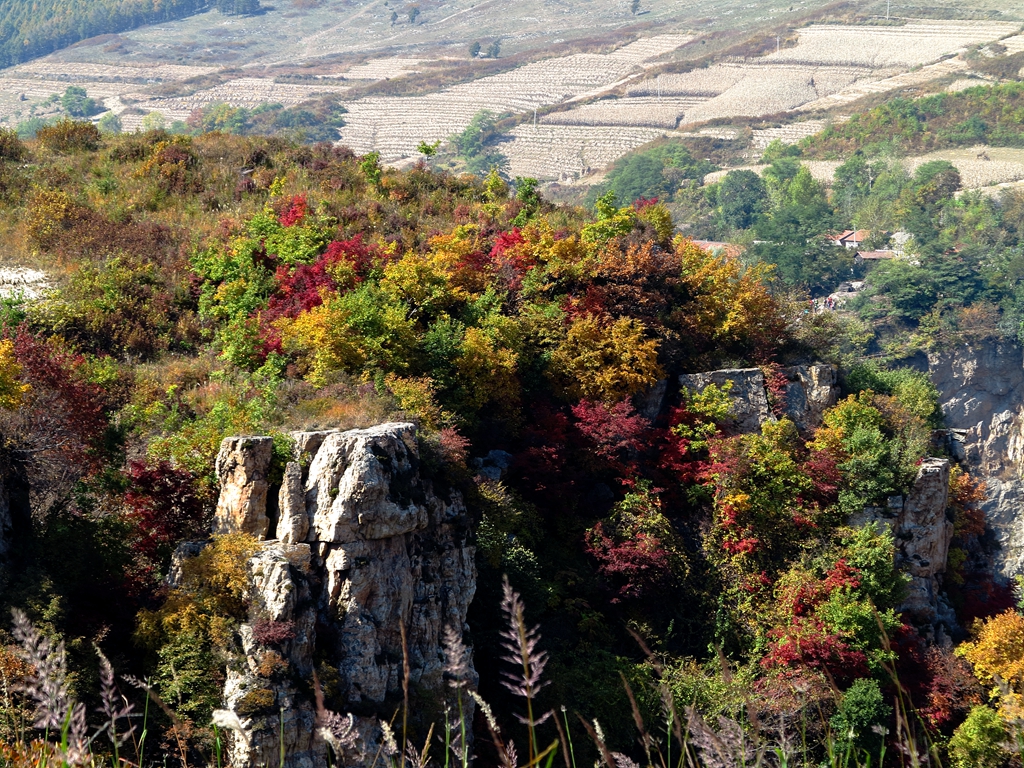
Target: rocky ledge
(358, 546)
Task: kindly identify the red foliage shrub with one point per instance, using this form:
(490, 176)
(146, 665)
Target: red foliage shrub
(776, 383)
(638, 567)
(842, 576)
(454, 447)
(304, 287)
(675, 454)
(643, 203)
(294, 211)
(65, 415)
(267, 632)
(542, 466)
(611, 432)
(807, 643)
(980, 597)
(165, 506)
(822, 468)
(951, 689)
(511, 259)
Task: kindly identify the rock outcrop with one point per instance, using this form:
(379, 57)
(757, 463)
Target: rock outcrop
(365, 547)
(809, 391)
(923, 532)
(922, 529)
(269, 689)
(981, 391)
(242, 468)
(747, 391)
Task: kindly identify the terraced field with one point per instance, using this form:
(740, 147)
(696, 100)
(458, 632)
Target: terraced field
(609, 103)
(395, 126)
(568, 152)
(878, 47)
(787, 134)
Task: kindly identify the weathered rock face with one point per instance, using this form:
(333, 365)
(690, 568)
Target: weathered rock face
(981, 390)
(366, 547)
(269, 689)
(292, 518)
(242, 467)
(749, 398)
(810, 391)
(923, 532)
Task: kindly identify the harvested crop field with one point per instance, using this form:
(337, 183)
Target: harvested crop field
(912, 44)
(648, 111)
(394, 126)
(787, 134)
(1003, 164)
(822, 170)
(963, 83)
(244, 92)
(383, 69)
(610, 101)
(74, 72)
(566, 152)
(867, 87)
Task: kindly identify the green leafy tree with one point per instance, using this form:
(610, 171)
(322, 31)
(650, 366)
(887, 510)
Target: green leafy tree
(861, 711)
(110, 123)
(154, 121)
(740, 198)
(428, 150)
(476, 144)
(76, 103)
(657, 172)
(978, 742)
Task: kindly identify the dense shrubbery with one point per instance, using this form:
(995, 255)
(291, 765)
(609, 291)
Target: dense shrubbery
(318, 289)
(980, 115)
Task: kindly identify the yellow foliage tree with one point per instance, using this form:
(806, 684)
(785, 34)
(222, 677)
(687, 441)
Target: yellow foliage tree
(997, 656)
(417, 396)
(488, 370)
(50, 212)
(12, 390)
(606, 361)
(322, 337)
(730, 304)
(210, 600)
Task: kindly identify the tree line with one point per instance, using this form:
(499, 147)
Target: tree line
(32, 29)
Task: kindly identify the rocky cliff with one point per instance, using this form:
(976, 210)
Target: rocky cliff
(920, 522)
(981, 390)
(923, 529)
(359, 547)
(809, 391)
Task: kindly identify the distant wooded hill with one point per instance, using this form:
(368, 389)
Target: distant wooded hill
(31, 28)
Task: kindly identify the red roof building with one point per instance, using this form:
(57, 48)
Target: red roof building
(850, 238)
